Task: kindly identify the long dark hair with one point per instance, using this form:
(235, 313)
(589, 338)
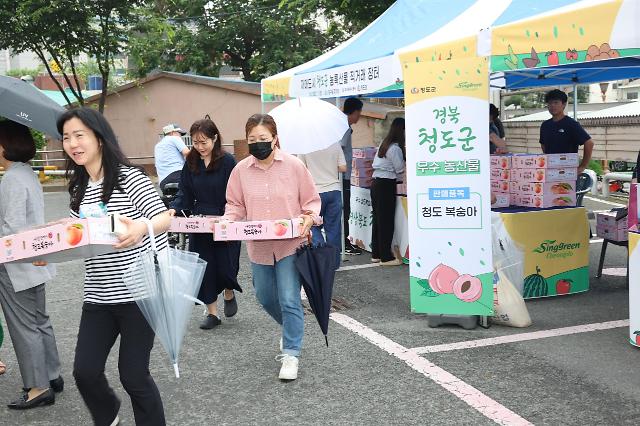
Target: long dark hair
(207, 127)
(112, 156)
(395, 135)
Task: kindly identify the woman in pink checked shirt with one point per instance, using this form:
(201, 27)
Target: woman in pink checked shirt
(270, 184)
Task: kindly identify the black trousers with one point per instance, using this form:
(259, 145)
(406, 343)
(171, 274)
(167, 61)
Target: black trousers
(383, 203)
(346, 208)
(100, 325)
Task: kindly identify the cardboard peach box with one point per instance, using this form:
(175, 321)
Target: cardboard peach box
(503, 199)
(608, 219)
(500, 161)
(544, 161)
(280, 229)
(633, 211)
(544, 175)
(366, 152)
(612, 232)
(500, 174)
(362, 172)
(543, 201)
(544, 188)
(64, 240)
(193, 224)
(362, 182)
(361, 163)
(500, 185)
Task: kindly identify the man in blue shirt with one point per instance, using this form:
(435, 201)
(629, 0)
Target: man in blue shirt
(352, 108)
(562, 134)
(170, 154)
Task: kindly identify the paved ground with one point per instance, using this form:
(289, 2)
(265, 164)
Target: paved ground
(370, 374)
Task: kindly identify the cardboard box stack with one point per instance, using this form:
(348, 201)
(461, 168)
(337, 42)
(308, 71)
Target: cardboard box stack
(500, 178)
(612, 225)
(546, 180)
(361, 166)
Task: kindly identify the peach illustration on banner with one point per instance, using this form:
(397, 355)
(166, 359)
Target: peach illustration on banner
(467, 288)
(441, 279)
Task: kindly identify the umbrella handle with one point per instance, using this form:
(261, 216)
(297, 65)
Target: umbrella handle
(151, 234)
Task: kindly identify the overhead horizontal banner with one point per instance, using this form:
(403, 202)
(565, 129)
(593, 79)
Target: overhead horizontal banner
(350, 80)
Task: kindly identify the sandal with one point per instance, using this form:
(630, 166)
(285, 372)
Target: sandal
(3, 368)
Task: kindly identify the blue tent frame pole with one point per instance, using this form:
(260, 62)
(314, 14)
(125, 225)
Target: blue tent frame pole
(341, 177)
(575, 102)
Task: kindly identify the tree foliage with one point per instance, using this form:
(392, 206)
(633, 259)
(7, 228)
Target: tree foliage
(58, 31)
(257, 37)
(354, 14)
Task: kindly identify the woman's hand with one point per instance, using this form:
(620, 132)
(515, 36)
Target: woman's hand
(136, 230)
(306, 225)
(172, 212)
(39, 263)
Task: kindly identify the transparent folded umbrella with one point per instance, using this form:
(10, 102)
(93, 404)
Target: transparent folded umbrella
(164, 284)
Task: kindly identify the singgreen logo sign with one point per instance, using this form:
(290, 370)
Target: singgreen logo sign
(466, 85)
(555, 249)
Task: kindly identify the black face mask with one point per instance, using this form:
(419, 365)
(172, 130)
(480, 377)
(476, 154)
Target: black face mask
(260, 150)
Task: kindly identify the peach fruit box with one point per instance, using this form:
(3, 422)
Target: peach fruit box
(503, 199)
(544, 175)
(543, 201)
(500, 174)
(193, 224)
(60, 241)
(548, 189)
(258, 230)
(366, 152)
(544, 161)
(500, 161)
(613, 232)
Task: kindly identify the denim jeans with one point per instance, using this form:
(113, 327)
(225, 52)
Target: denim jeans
(278, 291)
(331, 211)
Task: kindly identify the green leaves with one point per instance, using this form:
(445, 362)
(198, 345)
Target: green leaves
(427, 290)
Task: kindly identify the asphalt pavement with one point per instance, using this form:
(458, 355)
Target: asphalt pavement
(372, 373)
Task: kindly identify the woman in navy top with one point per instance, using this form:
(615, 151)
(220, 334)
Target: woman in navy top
(203, 187)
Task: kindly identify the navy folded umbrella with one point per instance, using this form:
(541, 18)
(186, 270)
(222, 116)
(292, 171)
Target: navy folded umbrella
(317, 268)
(25, 104)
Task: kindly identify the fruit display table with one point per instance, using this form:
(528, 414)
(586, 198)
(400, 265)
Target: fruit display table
(555, 246)
(360, 222)
(634, 288)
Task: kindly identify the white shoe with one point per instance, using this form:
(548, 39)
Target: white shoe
(281, 344)
(289, 369)
(115, 421)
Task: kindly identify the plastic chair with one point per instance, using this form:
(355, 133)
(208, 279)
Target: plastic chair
(583, 185)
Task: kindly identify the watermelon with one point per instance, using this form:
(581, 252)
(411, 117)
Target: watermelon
(535, 285)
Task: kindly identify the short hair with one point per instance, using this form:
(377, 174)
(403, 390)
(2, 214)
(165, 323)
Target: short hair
(555, 95)
(261, 120)
(493, 110)
(352, 105)
(17, 141)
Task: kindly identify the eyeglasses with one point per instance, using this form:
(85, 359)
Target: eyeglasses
(203, 142)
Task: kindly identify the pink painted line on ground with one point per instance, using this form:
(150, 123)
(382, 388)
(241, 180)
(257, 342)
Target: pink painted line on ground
(521, 337)
(465, 392)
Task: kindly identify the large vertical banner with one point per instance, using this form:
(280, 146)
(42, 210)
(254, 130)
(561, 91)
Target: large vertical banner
(447, 128)
(634, 288)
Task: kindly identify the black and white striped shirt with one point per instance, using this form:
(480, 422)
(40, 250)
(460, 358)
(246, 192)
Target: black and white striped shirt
(103, 274)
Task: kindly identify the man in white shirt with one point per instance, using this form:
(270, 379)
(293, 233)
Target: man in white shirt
(325, 166)
(170, 154)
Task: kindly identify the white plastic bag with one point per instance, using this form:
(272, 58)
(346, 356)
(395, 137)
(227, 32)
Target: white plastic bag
(509, 306)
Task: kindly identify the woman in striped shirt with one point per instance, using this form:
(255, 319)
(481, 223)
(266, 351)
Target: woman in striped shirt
(102, 181)
(267, 185)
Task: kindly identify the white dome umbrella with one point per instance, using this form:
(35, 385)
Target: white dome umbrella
(308, 124)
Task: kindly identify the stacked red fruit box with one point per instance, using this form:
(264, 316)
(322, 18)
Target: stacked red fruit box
(611, 226)
(543, 180)
(60, 241)
(361, 166)
(500, 177)
(258, 230)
